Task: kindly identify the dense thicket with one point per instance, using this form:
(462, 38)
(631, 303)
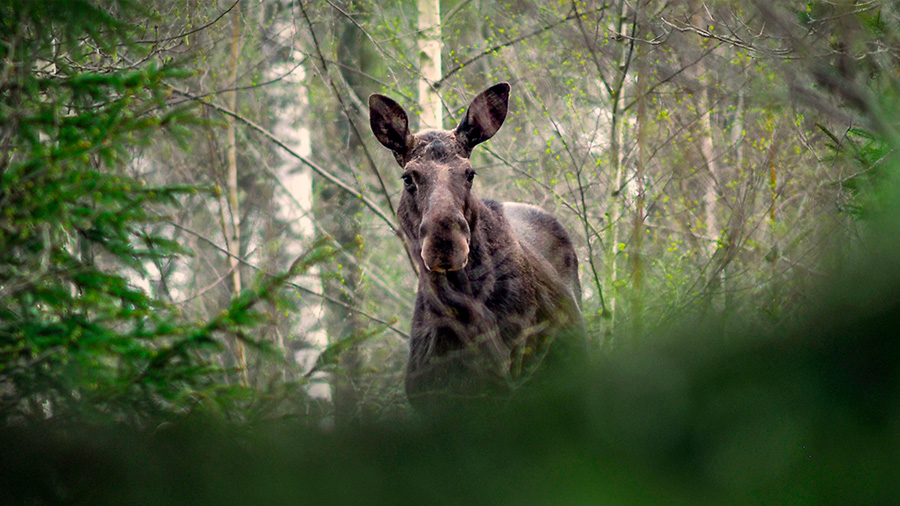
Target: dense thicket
(194, 219)
(85, 330)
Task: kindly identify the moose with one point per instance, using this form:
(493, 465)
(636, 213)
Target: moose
(498, 288)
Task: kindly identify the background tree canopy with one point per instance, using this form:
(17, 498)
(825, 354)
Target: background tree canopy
(197, 224)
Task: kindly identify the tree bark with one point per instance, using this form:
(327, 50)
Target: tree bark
(233, 232)
(430, 68)
(616, 198)
(702, 88)
(637, 228)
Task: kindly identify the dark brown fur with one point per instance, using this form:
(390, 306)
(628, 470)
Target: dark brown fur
(499, 282)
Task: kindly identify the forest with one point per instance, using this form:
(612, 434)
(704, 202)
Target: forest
(205, 295)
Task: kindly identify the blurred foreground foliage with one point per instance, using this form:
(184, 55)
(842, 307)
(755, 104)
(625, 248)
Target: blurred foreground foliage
(719, 415)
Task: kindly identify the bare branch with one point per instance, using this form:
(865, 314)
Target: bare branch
(249, 86)
(386, 323)
(309, 163)
(191, 32)
(493, 49)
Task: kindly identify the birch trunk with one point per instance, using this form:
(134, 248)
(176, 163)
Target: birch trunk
(711, 194)
(233, 231)
(707, 152)
(430, 53)
(637, 233)
(616, 200)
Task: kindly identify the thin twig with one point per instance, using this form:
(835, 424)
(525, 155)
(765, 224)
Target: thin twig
(493, 49)
(309, 163)
(191, 32)
(246, 87)
(388, 324)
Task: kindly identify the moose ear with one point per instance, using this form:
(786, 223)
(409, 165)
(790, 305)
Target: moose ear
(484, 116)
(390, 125)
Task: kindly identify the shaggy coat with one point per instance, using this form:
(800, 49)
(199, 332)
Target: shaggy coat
(498, 285)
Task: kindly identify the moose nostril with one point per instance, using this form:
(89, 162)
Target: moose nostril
(424, 227)
(462, 223)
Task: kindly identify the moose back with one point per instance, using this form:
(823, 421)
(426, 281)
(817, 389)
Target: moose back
(498, 286)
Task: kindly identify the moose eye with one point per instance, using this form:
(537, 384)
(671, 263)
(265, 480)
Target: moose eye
(408, 182)
(470, 176)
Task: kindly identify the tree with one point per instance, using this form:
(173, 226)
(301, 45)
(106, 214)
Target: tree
(232, 226)
(429, 23)
(78, 334)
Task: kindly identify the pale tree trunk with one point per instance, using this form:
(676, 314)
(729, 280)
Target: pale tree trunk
(710, 197)
(613, 213)
(430, 52)
(707, 152)
(737, 145)
(737, 128)
(233, 228)
(615, 202)
(717, 264)
(637, 238)
(711, 194)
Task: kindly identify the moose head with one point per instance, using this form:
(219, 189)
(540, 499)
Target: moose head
(435, 209)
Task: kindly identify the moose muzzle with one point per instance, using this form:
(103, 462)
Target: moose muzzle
(445, 241)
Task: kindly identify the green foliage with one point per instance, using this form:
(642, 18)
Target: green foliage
(79, 334)
(869, 186)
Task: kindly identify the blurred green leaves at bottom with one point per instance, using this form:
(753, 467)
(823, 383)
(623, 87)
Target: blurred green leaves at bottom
(708, 416)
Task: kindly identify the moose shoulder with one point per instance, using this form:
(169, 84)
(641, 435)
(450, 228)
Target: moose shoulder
(498, 290)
